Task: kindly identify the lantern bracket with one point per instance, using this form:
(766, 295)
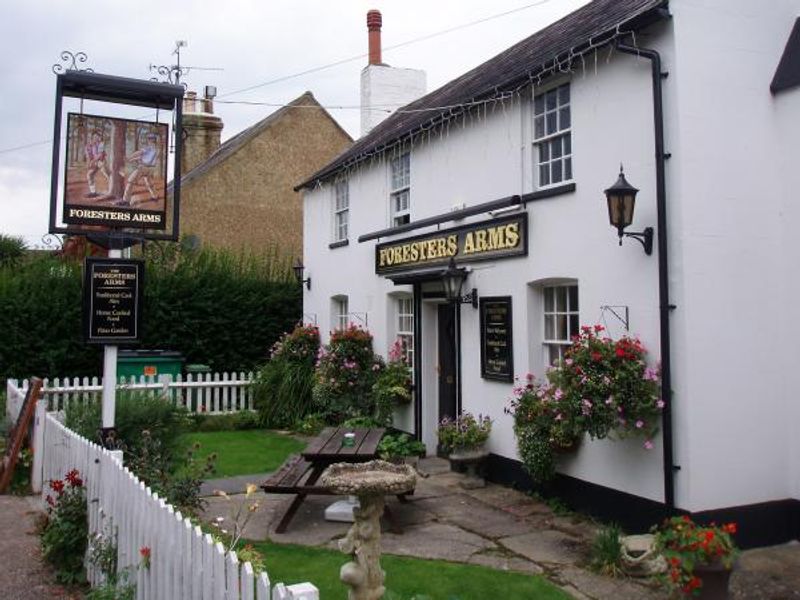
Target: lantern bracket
(645, 238)
(471, 298)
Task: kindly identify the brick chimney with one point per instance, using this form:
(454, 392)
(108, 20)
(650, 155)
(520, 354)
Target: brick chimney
(374, 22)
(202, 130)
(384, 88)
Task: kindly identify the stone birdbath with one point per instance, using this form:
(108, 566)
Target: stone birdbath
(370, 482)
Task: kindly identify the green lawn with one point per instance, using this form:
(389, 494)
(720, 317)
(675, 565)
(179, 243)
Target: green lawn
(248, 452)
(405, 577)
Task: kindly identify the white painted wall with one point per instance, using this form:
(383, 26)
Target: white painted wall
(384, 89)
(733, 252)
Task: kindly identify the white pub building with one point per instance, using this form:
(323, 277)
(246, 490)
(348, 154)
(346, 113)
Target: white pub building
(503, 170)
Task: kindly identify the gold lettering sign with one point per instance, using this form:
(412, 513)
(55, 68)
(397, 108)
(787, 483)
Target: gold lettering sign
(498, 238)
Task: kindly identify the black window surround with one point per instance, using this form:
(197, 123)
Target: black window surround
(454, 215)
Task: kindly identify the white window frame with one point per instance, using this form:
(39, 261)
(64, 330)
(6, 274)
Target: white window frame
(404, 326)
(560, 137)
(341, 211)
(555, 341)
(340, 312)
(400, 189)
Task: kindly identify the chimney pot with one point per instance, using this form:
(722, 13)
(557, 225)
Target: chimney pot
(374, 22)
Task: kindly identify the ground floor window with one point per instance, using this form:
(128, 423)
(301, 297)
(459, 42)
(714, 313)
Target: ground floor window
(405, 327)
(339, 312)
(561, 320)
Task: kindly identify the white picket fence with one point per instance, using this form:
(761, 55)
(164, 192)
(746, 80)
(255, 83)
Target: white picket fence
(185, 563)
(198, 392)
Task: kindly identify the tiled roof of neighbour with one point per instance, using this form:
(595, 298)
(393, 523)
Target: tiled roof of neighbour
(596, 23)
(240, 139)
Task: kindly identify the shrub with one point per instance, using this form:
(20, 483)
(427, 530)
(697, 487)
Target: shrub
(397, 446)
(283, 388)
(135, 412)
(64, 537)
(12, 249)
(231, 308)
(309, 425)
(346, 373)
(237, 421)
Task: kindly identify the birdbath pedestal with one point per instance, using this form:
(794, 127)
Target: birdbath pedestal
(370, 482)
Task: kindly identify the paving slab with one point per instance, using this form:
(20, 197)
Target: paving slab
(501, 561)
(475, 516)
(545, 547)
(435, 540)
(598, 587)
(231, 485)
(767, 574)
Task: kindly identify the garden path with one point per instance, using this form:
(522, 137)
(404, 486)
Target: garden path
(505, 529)
(23, 575)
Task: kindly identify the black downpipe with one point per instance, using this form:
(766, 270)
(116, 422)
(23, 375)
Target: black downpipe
(663, 273)
(417, 361)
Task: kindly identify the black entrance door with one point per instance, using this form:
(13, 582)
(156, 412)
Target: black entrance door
(447, 361)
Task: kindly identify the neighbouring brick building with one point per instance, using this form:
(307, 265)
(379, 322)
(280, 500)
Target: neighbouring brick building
(239, 195)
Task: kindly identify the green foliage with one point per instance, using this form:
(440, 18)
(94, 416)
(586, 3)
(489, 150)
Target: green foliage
(64, 537)
(393, 384)
(397, 446)
(283, 388)
(606, 551)
(238, 421)
(465, 431)
(135, 412)
(122, 590)
(309, 425)
(212, 306)
(12, 249)
(21, 480)
(175, 478)
(346, 373)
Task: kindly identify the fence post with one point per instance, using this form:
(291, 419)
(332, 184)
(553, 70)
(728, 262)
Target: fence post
(37, 445)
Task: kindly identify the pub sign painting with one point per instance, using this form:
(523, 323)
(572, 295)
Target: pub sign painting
(112, 299)
(497, 352)
(116, 172)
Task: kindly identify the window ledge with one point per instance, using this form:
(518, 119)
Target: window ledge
(558, 190)
(339, 244)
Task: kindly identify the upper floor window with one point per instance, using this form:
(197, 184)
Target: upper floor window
(341, 210)
(552, 136)
(400, 192)
(561, 320)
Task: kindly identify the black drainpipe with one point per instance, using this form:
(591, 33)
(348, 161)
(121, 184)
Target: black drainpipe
(663, 273)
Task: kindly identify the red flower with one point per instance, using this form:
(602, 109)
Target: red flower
(144, 551)
(620, 352)
(57, 486)
(50, 501)
(74, 478)
(729, 528)
(596, 356)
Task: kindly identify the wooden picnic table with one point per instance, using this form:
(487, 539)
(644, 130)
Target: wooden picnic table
(299, 474)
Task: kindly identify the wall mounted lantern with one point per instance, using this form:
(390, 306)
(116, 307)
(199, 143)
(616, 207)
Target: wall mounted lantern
(298, 274)
(453, 279)
(621, 198)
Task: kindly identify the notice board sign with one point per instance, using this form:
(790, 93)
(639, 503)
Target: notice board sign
(497, 352)
(112, 300)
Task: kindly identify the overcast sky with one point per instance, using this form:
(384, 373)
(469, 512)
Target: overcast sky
(253, 41)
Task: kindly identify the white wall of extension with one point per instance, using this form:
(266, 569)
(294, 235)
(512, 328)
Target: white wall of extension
(733, 271)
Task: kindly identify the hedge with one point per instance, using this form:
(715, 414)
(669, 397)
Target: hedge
(215, 308)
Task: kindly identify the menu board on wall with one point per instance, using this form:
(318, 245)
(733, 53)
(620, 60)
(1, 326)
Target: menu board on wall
(112, 296)
(497, 354)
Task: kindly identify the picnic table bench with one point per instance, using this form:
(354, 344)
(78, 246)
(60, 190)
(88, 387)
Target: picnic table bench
(299, 474)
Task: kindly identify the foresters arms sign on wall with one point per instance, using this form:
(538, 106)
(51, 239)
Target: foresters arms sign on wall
(116, 172)
(498, 238)
(112, 297)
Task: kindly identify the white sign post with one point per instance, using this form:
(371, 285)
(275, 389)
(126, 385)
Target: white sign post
(110, 372)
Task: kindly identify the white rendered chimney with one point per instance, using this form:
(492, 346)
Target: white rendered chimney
(384, 89)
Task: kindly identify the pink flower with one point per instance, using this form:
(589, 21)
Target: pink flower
(559, 394)
(568, 362)
(648, 445)
(660, 403)
(559, 417)
(639, 424)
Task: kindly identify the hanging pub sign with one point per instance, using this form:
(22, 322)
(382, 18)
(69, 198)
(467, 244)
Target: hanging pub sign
(497, 352)
(112, 300)
(109, 175)
(487, 240)
(116, 172)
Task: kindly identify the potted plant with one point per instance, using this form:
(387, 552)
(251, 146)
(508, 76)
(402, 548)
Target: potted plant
(464, 436)
(393, 384)
(699, 558)
(400, 448)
